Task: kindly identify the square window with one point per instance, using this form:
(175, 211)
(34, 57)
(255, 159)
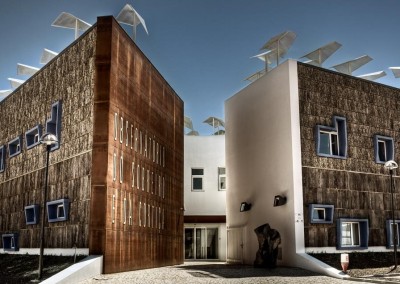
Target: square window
(53, 124)
(389, 232)
(57, 210)
(2, 158)
(321, 213)
(197, 179)
(197, 172)
(384, 149)
(32, 136)
(32, 214)
(332, 141)
(221, 179)
(352, 233)
(197, 183)
(10, 242)
(14, 147)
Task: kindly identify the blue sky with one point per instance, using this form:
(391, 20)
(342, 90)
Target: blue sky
(203, 47)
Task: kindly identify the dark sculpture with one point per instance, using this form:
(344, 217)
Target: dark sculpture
(268, 242)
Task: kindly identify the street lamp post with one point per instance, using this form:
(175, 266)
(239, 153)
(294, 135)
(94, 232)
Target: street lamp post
(392, 165)
(49, 140)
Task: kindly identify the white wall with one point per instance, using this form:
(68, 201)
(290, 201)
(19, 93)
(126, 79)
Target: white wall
(207, 152)
(264, 159)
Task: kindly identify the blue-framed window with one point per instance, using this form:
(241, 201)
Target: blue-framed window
(390, 226)
(10, 242)
(321, 213)
(384, 149)
(2, 158)
(32, 214)
(32, 136)
(15, 146)
(53, 124)
(57, 210)
(352, 233)
(331, 141)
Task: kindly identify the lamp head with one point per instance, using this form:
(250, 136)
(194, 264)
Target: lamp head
(391, 165)
(279, 200)
(49, 139)
(244, 206)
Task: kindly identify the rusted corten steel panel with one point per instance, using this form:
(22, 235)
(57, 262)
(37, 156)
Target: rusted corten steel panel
(358, 187)
(68, 79)
(137, 161)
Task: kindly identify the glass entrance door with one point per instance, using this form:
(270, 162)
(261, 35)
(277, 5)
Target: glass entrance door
(201, 243)
(189, 243)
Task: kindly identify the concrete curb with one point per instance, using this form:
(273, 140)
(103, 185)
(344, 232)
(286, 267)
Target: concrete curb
(85, 269)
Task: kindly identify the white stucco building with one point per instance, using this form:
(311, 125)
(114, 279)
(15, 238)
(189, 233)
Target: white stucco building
(263, 154)
(205, 191)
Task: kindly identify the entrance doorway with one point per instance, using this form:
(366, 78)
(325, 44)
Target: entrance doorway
(201, 243)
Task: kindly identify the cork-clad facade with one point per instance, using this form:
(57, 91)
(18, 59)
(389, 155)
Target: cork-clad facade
(116, 176)
(357, 185)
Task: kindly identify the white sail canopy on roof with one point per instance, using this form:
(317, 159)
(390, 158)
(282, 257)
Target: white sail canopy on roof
(396, 71)
(129, 16)
(352, 65)
(280, 44)
(15, 83)
(47, 55)
(23, 69)
(69, 21)
(4, 94)
(319, 55)
(373, 76)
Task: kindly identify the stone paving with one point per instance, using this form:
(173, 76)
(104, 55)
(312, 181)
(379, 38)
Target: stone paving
(219, 273)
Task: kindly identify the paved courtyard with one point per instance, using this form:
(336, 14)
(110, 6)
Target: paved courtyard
(216, 272)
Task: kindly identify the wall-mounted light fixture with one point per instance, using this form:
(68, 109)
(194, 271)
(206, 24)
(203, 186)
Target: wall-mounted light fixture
(244, 206)
(279, 200)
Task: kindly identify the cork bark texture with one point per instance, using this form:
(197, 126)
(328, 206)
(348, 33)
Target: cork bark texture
(69, 78)
(137, 189)
(358, 187)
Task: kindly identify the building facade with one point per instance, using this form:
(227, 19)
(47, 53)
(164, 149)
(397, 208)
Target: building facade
(205, 192)
(319, 139)
(116, 176)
